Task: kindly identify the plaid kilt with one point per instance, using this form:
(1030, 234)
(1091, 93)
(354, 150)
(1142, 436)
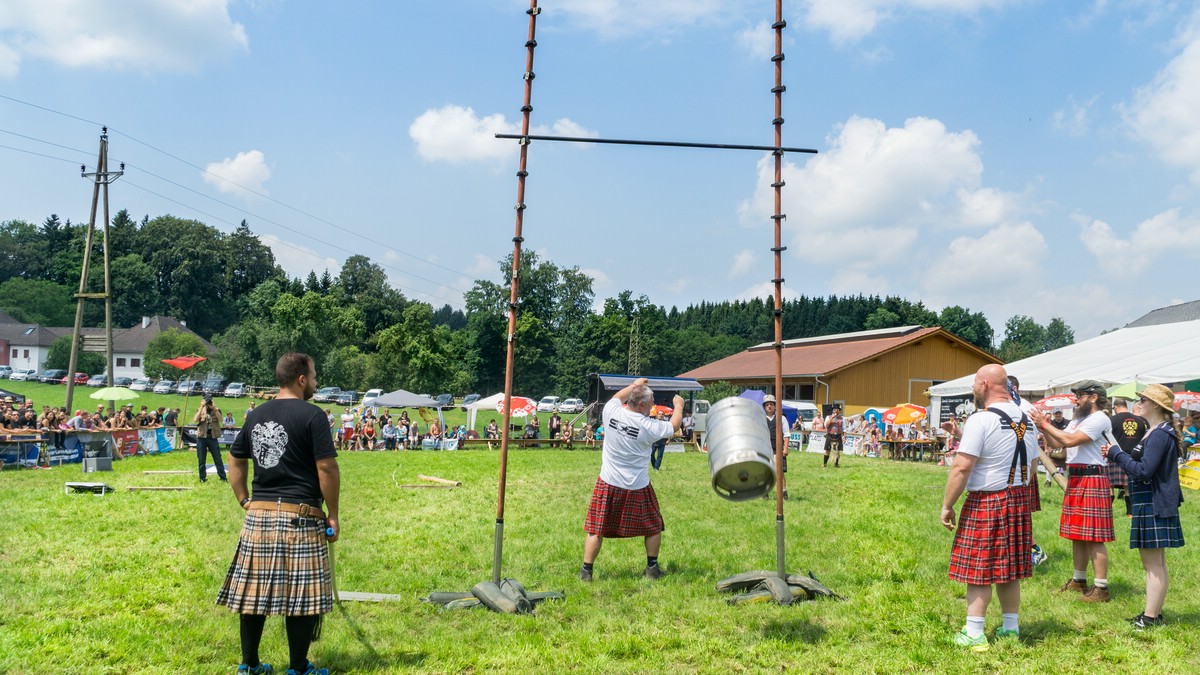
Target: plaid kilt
(279, 568)
(993, 539)
(1035, 493)
(1087, 509)
(1117, 476)
(1147, 530)
(616, 512)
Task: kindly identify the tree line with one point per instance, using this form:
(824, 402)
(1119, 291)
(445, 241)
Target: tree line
(365, 333)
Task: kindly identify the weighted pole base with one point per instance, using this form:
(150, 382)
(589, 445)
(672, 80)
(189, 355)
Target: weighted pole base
(763, 586)
(507, 597)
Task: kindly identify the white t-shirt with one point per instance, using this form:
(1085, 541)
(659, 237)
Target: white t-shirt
(625, 461)
(348, 421)
(1095, 426)
(986, 437)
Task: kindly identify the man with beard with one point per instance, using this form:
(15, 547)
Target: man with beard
(1129, 430)
(1087, 506)
(281, 566)
(833, 436)
(995, 531)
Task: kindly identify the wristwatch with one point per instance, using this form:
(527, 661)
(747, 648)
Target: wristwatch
(244, 501)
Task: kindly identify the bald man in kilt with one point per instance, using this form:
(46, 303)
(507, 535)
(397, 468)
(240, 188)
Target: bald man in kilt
(995, 529)
(281, 566)
(1087, 518)
(623, 501)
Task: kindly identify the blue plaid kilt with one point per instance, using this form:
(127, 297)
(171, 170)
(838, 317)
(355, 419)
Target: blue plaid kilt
(281, 567)
(1087, 508)
(1147, 530)
(1116, 475)
(993, 539)
(616, 512)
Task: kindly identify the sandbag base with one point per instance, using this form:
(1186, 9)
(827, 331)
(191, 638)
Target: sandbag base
(509, 597)
(761, 586)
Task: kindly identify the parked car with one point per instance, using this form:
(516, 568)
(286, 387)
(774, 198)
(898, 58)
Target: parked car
(23, 375)
(236, 390)
(164, 387)
(468, 400)
(53, 376)
(188, 388)
(445, 401)
(213, 386)
(142, 384)
(5, 372)
(548, 404)
(571, 406)
(370, 396)
(348, 397)
(97, 380)
(80, 378)
(122, 381)
(326, 394)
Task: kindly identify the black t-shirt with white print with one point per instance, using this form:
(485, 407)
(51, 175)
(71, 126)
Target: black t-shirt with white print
(285, 438)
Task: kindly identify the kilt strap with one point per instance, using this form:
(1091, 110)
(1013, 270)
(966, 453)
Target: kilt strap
(302, 510)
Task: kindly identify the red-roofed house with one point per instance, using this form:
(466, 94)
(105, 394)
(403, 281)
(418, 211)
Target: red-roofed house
(858, 370)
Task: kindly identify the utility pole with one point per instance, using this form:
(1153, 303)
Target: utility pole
(634, 367)
(100, 177)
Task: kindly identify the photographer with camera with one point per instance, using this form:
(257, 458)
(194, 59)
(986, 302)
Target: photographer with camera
(208, 431)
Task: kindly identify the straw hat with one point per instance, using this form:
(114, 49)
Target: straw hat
(1160, 396)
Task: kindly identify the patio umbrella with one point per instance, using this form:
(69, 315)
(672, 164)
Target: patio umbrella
(661, 410)
(114, 394)
(1128, 391)
(906, 413)
(1056, 401)
(184, 363)
(521, 406)
(1189, 400)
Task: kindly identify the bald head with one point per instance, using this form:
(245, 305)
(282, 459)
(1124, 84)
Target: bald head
(991, 385)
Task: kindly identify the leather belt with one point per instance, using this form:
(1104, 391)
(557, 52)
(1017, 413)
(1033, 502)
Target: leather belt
(1084, 470)
(302, 510)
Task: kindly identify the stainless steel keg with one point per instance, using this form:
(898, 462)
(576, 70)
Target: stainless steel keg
(739, 449)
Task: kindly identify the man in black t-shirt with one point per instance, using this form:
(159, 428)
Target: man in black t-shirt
(1128, 430)
(281, 566)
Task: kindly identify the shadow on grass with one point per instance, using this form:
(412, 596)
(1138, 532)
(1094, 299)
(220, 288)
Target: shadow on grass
(796, 630)
(1036, 632)
(368, 657)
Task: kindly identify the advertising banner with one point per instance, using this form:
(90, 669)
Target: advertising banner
(124, 443)
(816, 442)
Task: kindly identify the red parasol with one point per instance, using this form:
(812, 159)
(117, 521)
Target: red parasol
(521, 406)
(661, 410)
(1187, 399)
(184, 362)
(1056, 401)
(905, 413)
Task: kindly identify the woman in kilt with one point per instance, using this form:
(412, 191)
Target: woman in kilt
(1154, 495)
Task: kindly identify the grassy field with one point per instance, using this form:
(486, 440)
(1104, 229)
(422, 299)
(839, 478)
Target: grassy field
(125, 583)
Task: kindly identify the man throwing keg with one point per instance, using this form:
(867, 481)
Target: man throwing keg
(1087, 519)
(623, 501)
(995, 530)
(281, 566)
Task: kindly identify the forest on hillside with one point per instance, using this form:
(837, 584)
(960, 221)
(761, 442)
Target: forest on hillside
(365, 333)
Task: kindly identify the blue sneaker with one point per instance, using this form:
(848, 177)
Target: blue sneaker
(1039, 556)
(260, 669)
(976, 644)
(311, 670)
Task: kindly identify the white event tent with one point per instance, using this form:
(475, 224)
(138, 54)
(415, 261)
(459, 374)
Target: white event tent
(1163, 353)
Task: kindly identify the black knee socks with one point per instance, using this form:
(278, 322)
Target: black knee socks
(251, 630)
(300, 634)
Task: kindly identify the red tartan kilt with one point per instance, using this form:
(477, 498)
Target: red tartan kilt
(1087, 509)
(1035, 494)
(616, 512)
(994, 538)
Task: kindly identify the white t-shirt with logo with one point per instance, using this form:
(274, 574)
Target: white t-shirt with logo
(348, 421)
(1096, 426)
(986, 437)
(625, 461)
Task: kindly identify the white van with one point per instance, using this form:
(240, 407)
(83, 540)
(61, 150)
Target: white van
(808, 411)
(368, 398)
(548, 404)
(235, 390)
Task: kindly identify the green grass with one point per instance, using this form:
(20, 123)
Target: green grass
(125, 583)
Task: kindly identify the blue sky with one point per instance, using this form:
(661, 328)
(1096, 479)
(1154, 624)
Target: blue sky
(1011, 156)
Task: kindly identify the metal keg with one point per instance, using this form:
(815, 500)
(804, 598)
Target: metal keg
(739, 449)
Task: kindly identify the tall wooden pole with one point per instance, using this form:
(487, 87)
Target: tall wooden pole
(779, 248)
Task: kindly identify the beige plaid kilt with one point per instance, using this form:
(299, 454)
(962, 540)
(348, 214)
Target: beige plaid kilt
(281, 567)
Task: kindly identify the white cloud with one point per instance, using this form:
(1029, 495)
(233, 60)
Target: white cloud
(743, 262)
(851, 20)
(598, 275)
(767, 290)
(1075, 119)
(986, 206)
(455, 134)
(618, 18)
(1166, 113)
(247, 170)
(1162, 238)
(1005, 257)
(758, 40)
(148, 35)
(297, 259)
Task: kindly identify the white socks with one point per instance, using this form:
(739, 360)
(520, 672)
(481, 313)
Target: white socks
(1101, 583)
(1010, 621)
(1080, 575)
(974, 626)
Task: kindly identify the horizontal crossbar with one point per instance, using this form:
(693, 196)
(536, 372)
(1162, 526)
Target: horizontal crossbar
(669, 144)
